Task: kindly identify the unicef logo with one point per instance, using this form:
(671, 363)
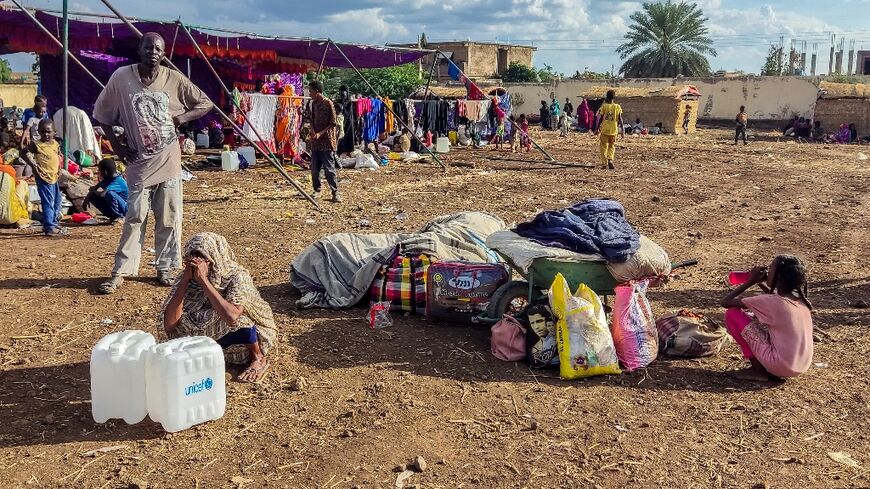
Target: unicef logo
(203, 385)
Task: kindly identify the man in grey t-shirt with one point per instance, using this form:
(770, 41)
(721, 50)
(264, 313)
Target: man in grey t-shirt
(149, 100)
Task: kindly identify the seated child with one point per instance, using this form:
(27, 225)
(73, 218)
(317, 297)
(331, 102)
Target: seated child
(109, 196)
(774, 329)
(43, 156)
(402, 143)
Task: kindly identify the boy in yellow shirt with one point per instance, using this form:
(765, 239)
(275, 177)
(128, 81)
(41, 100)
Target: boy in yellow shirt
(609, 124)
(43, 155)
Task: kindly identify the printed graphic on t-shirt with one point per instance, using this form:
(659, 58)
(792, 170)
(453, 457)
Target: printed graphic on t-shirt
(153, 120)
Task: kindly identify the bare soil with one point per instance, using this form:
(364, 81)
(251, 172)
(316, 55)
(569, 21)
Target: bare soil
(372, 400)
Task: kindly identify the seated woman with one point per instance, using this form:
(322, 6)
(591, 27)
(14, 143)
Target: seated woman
(216, 297)
(14, 198)
(109, 196)
(774, 329)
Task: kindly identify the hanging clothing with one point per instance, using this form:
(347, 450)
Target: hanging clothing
(451, 116)
(345, 106)
(288, 122)
(80, 135)
(262, 118)
(374, 121)
(472, 110)
(389, 120)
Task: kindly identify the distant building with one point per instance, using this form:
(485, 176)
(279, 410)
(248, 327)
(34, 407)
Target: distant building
(478, 60)
(863, 67)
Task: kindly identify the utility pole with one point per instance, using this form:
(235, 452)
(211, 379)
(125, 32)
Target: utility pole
(804, 58)
(813, 59)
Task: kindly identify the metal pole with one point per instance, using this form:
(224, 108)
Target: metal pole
(181, 25)
(322, 60)
(224, 115)
(396, 117)
(65, 82)
(431, 71)
(57, 41)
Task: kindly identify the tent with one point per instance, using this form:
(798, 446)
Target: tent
(104, 46)
(652, 105)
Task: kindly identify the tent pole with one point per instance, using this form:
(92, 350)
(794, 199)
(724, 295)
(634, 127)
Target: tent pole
(223, 114)
(181, 25)
(322, 60)
(431, 71)
(65, 82)
(396, 117)
(542, 150)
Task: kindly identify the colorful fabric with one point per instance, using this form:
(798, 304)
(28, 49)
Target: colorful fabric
(261, 120)
(403, 284)
(736, 321)
(287, 122)
(235, 284)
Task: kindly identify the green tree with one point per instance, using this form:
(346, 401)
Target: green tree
(518, 72)
(774, 63)
(394, 82)
(590, 75)
(548, 74)
(665, 40)
(5, 71)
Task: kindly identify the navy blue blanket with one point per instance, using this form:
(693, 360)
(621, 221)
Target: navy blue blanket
(592, 226)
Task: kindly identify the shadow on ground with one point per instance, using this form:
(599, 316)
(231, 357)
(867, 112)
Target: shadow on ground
(51, 406)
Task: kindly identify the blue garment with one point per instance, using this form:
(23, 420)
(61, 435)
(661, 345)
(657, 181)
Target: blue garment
(375, 121)
(49, 200)
(591, 227)
(115, 184)
(110, 204)
(243, 336)
(453, 70)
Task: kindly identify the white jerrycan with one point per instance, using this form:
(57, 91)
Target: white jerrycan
(118, 376)
(184, 382)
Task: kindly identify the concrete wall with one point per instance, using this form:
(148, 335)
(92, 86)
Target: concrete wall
(766, 98)
(478, 61)
(20, 95)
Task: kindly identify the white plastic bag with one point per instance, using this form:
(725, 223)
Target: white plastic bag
(365, 161)
(584, 341)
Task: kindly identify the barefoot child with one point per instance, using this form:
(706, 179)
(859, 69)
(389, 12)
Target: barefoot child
(525, 140)
(774, 329)
(43, 156)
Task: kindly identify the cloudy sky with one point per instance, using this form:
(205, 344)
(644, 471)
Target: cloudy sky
(569, 34)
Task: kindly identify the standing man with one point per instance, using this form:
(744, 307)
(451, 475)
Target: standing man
(742, 119)
(323, 141)
(609, 124)
(149, 101)
(569, 107)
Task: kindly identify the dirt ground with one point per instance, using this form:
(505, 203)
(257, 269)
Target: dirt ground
(372, 400)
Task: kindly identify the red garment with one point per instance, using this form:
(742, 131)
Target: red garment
(363, 106)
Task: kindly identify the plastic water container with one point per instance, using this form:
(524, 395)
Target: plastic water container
(248, 153)
(229, 160)
(184, 382)
(201, 140)
(442, 145)
(118, 376)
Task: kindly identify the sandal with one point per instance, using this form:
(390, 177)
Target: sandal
(254, 374)
(57, 232)
(165, 278)
(111, 286)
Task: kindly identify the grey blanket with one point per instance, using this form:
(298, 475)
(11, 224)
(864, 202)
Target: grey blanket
(337, 271)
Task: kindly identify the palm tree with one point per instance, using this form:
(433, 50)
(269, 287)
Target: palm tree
(666, 39)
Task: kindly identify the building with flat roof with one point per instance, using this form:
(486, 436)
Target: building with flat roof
(478, 60)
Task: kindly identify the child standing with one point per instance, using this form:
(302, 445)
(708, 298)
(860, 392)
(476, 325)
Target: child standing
(609, 124)
(777, 338)
(110, 195)
(43, 156)
(525, 140)
(687, 116)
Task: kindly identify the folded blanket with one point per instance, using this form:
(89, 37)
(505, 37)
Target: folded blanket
(336, 271)
(523, 251)
(590, 227)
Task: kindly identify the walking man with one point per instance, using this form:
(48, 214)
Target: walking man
(742, 119)
(323, 141)
(149, 101)
(609, 124)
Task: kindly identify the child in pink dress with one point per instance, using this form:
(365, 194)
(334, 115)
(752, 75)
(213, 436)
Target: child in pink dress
(774, 329)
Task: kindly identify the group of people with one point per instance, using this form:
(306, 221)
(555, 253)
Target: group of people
(806, 130)
(555, 117)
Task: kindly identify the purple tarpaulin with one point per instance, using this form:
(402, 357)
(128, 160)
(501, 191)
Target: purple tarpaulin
(18, 34)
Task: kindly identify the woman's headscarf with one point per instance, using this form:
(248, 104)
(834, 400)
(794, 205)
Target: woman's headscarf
(235, 285)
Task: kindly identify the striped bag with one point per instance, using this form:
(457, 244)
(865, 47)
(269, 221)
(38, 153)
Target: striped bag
(403, 284)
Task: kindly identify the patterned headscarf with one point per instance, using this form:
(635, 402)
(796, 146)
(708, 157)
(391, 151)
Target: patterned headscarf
(235, 285)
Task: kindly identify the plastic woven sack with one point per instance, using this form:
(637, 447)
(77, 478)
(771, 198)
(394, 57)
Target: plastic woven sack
(687, 334)
(634, 329)
(585, 345)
